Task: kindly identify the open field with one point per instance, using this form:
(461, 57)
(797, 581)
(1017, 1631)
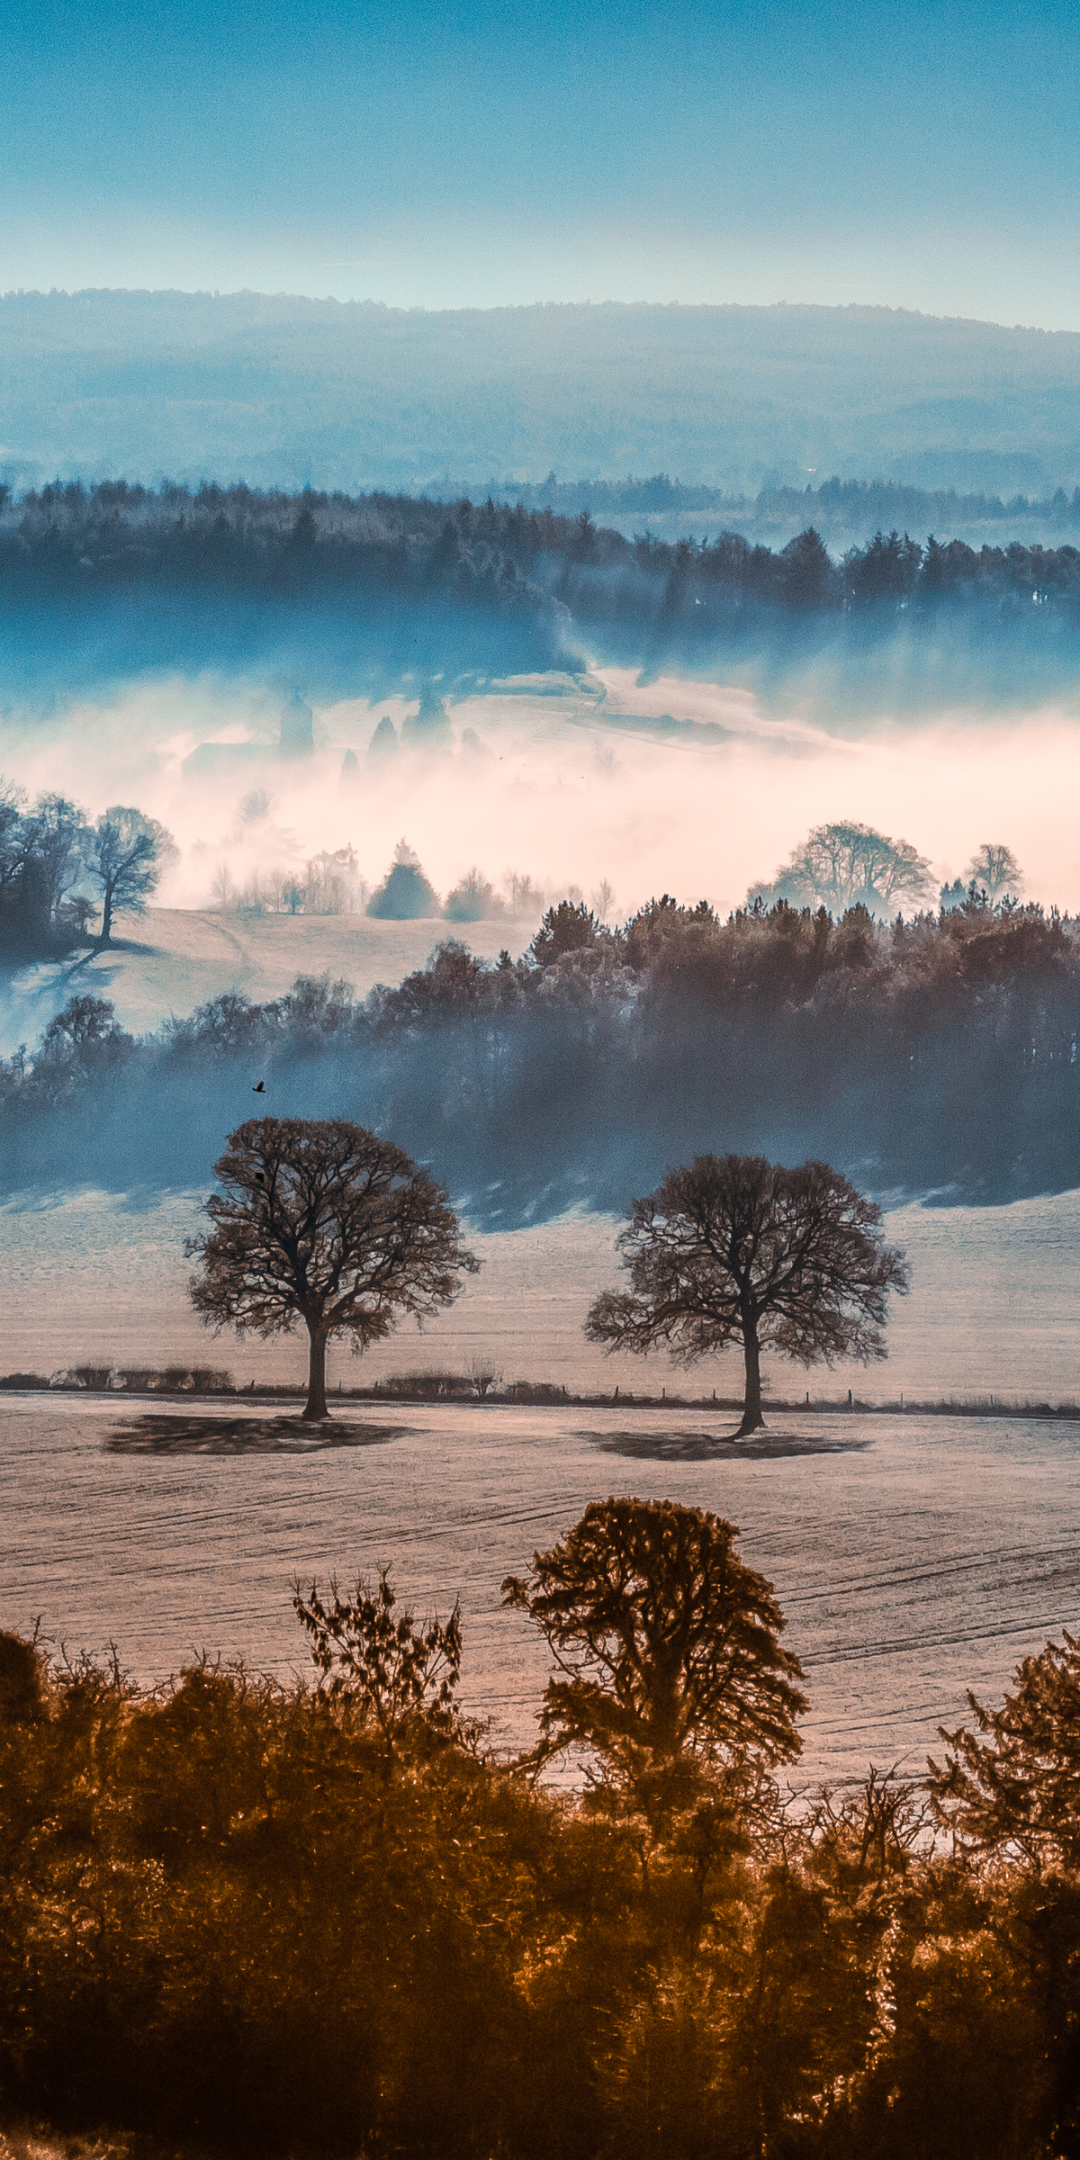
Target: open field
(913, 1557)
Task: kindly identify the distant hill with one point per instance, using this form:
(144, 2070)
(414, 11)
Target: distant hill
(285, 392)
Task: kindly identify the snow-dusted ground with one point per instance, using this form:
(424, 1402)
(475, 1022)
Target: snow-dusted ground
(994, 1305)
(924, 1561)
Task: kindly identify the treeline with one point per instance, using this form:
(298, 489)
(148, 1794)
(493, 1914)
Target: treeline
(869, 505)
(50, 854)
(280, 1918)
(862, 506)
(939, 1052)
(501, 559)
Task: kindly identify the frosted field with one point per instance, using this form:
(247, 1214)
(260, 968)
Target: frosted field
(994, 1305)
(923, 1556)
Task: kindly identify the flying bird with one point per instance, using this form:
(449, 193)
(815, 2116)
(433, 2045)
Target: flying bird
(259, 1088)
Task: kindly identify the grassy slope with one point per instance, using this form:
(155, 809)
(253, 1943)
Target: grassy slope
(173, 959)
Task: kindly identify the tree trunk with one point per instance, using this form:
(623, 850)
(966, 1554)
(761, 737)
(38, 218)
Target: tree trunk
(315, 1406)
(104, 936)
(752, 1420)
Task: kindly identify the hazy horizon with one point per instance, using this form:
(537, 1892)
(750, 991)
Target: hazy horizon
(925, 158)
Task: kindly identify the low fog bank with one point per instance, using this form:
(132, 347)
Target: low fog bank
(568, 783)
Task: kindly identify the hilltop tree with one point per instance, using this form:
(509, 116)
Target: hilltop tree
(51, 866)
(848, 865)
(995, 869)
(473, 899)
(323, 1222)
(737, 1249)
(668, 1646)
(568, 927)
(124, 855)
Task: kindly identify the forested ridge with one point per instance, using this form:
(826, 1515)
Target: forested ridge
(938, 1052)
(72, 546)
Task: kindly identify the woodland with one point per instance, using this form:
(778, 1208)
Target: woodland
(325, 1917)
(68, 542)
(937, 1054)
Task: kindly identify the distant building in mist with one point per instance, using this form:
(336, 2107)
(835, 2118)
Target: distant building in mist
(296, 739)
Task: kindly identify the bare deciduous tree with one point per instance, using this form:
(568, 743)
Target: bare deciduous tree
(323, 1222)
(737, 1249)
(994, 867)
(124, 854)
(848, 865)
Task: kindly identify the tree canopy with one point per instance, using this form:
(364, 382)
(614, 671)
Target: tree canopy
(846, 865)
(1013, 1784)
(321, 1221)
(668, 1645)
(994, 870)
(734, 1248)
(405, 894)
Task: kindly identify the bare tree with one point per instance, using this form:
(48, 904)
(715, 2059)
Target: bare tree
(523, 897)
(847, 865)
(401, 1679)
(333, 885)
(323, 1222)
(484, 1375)
(994, 867)
(737, 1249)
(601, 900)
(223, 890)
(125, 854)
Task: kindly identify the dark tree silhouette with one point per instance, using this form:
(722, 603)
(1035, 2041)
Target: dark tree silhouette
(568, 927)
(735, 1248)
(400, 1678)
(323, 1222)
(405, 894)
(669, 1647)
(994, 868)
(124, 855)
(1014, 1783)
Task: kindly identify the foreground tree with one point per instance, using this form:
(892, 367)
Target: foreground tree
(323, 1222)
(737, 1249)
(669, 1647)
(1013, 1785)
(401, 1679)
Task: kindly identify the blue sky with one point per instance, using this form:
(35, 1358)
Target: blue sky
(905, 154)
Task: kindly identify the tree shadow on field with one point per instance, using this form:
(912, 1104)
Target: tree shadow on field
(180, 1435)
(708, 1447)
